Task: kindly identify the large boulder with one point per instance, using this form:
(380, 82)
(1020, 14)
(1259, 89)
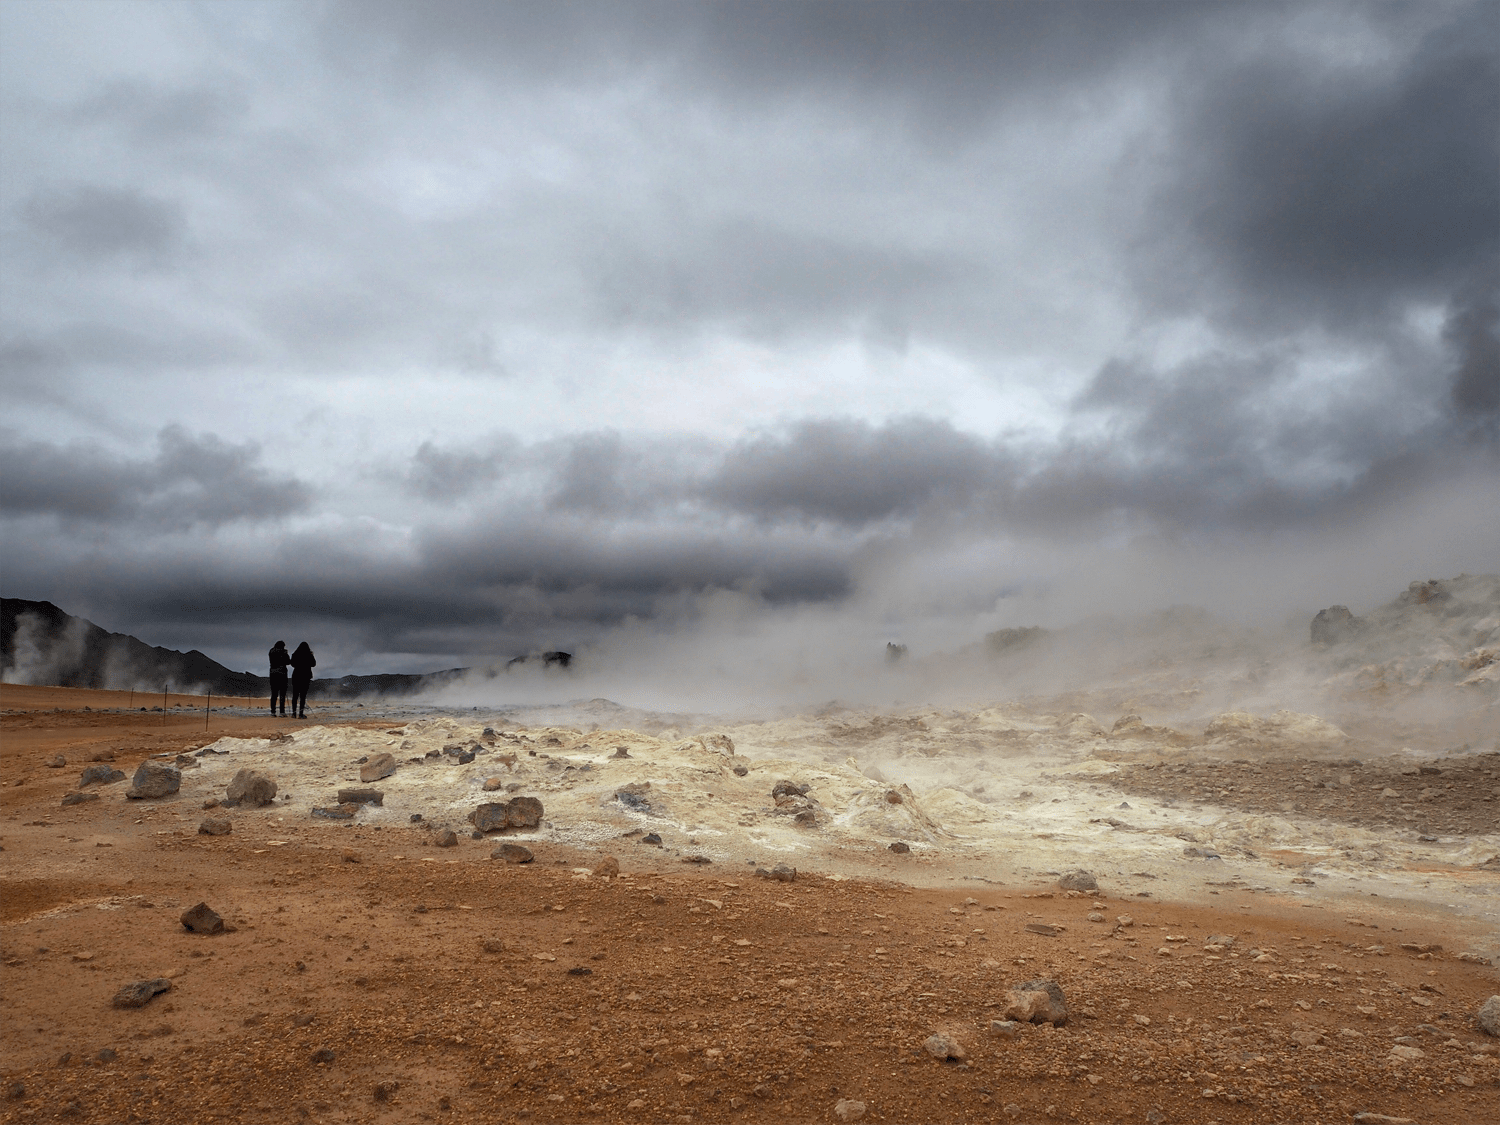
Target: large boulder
(1037, 1001)
(154, 779)
(100, 773)
(1335, 625)
(379, 765)
(250, 789)
(497, 816)
(1489, 1015)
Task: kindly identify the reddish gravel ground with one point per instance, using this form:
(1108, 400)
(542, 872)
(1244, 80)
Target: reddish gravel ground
(368, 976)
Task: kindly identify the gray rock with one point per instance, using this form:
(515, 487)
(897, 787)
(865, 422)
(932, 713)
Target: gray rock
(900, 848)
(651, 838)
(1226, 940)
(361, 797)
(497, 816)
(1037, 1001)
(465, 757)
(847, 1109)
(202, 919)
(806, 819)
(447, 838)
(337, 812)
(215, 826)
(379, 765)
(1007, 1029)
(1078, 881)
(101, 774)
(781, 873)
(1489, 1016)
(620, 752)
(512, 853)
(79, 798)
(154, 779)
(944, 1047)
(322, 1055)
(107, 1055)
(740, 771)
(785, 788)
(139, 993)
(56, 762)
(250, 788)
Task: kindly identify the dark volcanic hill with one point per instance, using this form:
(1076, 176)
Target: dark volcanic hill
(40, 644)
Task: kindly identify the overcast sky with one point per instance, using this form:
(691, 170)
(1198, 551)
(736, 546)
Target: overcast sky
(434, 332)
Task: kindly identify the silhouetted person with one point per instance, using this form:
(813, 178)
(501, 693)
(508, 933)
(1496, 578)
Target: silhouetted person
(303, 662)
(280, 658)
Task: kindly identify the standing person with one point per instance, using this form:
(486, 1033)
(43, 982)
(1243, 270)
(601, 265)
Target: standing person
(303, 662)
(280, 658)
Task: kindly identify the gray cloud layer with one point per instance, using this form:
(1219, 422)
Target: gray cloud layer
(1046, 273)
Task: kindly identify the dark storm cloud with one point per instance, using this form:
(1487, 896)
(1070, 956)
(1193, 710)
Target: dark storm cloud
(849, 472)
(451, 474)
(97, 222)
(1296, 193)
(191, 481)
(1473, 331)
(951, 62)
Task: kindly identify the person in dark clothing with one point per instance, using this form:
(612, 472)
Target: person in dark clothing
(280, 658)
(303, 662)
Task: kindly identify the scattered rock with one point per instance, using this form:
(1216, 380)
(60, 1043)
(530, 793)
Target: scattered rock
(781, 873)
(784, 788)
(362, 797)
(336, 812)
(107, 1055)
(202, 919)
(303, 1019)
(215, 826)
(1382, 1119)
(699, 859)
(79, 798)
(137, 994)
(493, 783)
(1043, 928)
(447, 838)
(1489, 1016)
(154, 779)
(944, 1048)
(322, 1055)
(740, 771)
(1037, 1001)
(1403, 1053)
(806, 819)
(100, 774)
(251, 789)
(1306, 1036)
(609, 868)
(496, 816)
(1007, 1029)
(384, 1091)
(620, 752)
(379, 765)
(512, 853)
(495, 945)
(847, 1109)
(56, 762)
(900, 848)
(651, 838)
(1078, 881)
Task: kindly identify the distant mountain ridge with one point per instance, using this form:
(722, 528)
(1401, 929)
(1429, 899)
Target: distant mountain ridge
(43, 645)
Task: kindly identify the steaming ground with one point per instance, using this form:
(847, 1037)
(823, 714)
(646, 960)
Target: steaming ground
(1391, 790)
(1006, 795)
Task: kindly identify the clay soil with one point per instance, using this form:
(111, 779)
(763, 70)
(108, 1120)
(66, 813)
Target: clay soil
(368, 976)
